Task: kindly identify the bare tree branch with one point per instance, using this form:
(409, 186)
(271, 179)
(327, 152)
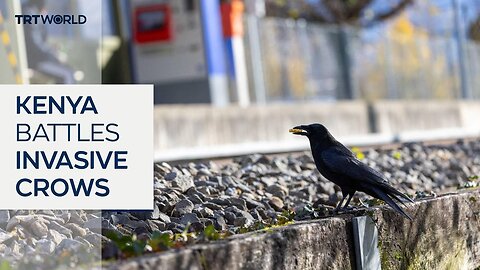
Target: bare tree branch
(356, 8)
(393, 11)
(474, 30)
(331, 11)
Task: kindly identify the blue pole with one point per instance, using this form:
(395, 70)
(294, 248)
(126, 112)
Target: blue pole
(215, 51)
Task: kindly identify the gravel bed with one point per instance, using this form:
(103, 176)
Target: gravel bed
(45, 239)
(259, 188)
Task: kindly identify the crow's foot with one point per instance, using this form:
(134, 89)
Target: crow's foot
(349, 208)
(346, 209)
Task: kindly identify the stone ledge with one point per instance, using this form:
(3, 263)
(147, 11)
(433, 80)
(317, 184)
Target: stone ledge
(445, 233)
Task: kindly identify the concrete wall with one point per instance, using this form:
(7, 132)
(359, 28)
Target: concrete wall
(400, 116)
(444, 234)
(199, 129)
(470, 114)
(205, 126)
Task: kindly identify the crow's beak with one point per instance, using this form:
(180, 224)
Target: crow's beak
(299, 130)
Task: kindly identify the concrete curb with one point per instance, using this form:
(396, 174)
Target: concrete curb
(200, 131)
(445, 233)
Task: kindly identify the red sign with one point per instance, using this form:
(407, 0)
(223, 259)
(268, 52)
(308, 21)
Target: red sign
(152, 24)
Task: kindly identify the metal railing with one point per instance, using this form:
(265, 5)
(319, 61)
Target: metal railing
(307, 61)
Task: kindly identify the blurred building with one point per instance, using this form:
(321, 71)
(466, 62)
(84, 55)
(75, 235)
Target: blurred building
(256, 51)
(192, 51)
(261, 51)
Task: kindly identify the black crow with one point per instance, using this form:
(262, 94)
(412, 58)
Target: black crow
(339, 165)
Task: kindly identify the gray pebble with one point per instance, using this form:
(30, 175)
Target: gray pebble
(276, 203)
(4, 218)
(170, 176)
(220, 223)
(277, 190)
(45, 246)
(183, 207)
(183, 182)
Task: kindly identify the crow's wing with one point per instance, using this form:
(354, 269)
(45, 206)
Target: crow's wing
(349, 166)
(371, 181)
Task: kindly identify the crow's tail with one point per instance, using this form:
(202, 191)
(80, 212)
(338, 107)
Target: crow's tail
(385, 196)
(395, 193)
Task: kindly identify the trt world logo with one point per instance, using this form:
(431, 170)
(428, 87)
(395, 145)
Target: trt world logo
(51, 19)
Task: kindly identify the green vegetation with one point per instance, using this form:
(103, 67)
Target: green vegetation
(358, 153)
(373, 202)
(471, 183)
(397, 155)
(131, 245)
(4, 265)
(128, 245)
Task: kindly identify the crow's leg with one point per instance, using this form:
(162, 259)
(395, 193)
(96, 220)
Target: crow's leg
(363, 204)
(339, 205)
(350, 196)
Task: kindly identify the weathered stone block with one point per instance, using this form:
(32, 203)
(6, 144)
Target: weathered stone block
(445, 234)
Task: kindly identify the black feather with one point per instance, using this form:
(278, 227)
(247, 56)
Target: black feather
(383, 196)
